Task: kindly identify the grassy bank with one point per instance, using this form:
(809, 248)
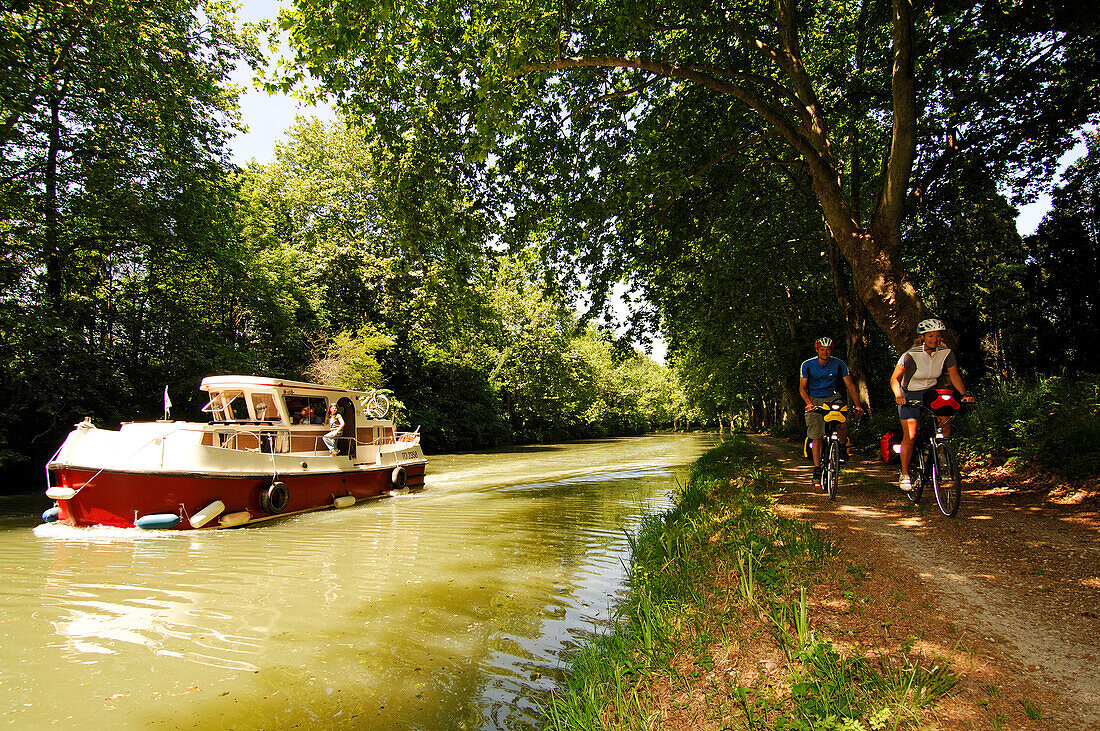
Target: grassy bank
(718, 630)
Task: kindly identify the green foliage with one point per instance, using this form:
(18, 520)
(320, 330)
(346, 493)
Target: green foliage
(970, 265)
(605, 119)
(1063, 269)
(1053, 422)
(351, 361)
(120, 270)
(133, 257)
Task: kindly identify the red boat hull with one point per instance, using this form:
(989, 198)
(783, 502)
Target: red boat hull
(118, 499)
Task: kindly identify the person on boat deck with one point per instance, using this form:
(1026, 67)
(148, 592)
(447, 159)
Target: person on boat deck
(335, 424)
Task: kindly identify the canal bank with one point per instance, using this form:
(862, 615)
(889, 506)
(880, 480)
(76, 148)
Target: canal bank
(742, 614)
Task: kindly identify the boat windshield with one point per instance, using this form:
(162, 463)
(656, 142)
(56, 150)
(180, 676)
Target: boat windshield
(227, 406)
(265, 407)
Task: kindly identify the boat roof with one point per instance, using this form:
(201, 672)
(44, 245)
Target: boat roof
(217, 383)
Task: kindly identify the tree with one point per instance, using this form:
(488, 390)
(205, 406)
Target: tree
(115, 210)
(1064, 268)
(971, 264)
(544, 385)
(860, 97)
(377, 236)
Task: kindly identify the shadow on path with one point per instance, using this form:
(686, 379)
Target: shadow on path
(1024, 579)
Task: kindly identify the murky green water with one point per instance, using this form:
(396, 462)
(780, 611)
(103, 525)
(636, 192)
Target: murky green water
(445, 609)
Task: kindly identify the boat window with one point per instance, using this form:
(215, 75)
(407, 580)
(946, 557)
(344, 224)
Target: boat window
(264, 407)
(306, 409)
(227, 406)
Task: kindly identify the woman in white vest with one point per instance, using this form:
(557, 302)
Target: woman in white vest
(917, 371)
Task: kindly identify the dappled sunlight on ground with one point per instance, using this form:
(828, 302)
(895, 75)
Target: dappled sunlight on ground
(1007, 592)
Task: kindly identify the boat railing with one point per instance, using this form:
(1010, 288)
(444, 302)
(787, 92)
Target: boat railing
(279, 439)
(257, 437)
(350, 445)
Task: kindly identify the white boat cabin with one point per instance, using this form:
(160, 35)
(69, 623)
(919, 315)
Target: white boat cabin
(252, 413)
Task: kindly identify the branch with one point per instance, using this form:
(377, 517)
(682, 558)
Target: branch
(903, 142)
(793, 134)
(615, 95)
(771, 84)
(791, 63)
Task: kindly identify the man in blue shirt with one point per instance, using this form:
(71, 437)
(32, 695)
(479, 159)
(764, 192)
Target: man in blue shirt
(820, 383)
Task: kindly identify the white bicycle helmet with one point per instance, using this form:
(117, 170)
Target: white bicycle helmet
(930, 325)
(823, 342)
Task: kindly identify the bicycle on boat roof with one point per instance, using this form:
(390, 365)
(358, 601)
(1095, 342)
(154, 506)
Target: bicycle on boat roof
(934, 462)
(834, 415)
(376, 404)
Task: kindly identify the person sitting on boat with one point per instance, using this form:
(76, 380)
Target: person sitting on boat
(314, 418)
(336, 425)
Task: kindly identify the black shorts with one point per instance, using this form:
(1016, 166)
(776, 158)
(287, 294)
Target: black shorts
(912, 412)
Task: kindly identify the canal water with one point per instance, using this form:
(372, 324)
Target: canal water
(448, 608)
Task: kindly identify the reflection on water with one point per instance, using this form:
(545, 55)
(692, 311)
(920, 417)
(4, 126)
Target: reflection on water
(448, 608)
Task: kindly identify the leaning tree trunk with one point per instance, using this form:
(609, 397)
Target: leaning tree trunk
(855, 322)
(874, 250)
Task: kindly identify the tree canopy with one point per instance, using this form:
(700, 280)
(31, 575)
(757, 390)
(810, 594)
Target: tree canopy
(869, 104)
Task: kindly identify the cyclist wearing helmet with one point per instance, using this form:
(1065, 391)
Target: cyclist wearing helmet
(917, 371)
(820, 383)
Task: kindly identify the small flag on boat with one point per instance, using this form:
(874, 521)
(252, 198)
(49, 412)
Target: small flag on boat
(167, 404)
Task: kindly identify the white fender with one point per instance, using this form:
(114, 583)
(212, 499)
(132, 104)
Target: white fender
(344, 501)
(207, 514)
(60, 493)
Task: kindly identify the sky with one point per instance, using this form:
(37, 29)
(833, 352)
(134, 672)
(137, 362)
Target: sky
(267, 117)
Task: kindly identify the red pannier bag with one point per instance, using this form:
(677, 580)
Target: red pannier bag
(890, 448)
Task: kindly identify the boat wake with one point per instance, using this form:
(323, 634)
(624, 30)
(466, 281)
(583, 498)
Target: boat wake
(98, 533)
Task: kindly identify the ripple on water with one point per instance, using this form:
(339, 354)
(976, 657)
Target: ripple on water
(433, 609)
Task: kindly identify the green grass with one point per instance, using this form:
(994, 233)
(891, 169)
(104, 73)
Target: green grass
(1032, 710)
(720, 555)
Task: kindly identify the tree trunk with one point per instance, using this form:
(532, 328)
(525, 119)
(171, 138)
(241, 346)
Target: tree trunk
(855, 322)
(792, 400)
(51, 254)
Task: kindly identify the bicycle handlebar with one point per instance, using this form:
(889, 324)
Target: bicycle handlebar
(845, 411)
(921, 405)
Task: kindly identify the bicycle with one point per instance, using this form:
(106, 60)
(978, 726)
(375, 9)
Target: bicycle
(376, 404)
(834, 415)
(934, 461)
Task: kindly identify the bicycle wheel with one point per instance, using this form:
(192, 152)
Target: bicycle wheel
(917, 475)
(378, 406)
(946, 480)
(832, 470)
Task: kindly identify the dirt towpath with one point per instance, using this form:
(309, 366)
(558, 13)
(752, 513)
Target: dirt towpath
(1009, 589)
